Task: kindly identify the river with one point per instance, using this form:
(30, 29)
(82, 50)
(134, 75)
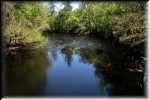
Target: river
(70, 66)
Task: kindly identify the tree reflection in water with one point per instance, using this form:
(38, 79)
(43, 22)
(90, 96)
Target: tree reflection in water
(68, 52)
(91, 56)
(100, 60)
(26, 72)
(98, 68)
(112, 78)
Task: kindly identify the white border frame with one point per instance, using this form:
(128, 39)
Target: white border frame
(113, 98)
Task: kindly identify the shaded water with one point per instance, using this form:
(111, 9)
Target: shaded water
(70, 66)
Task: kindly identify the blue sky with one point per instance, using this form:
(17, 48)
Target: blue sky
(59, 5)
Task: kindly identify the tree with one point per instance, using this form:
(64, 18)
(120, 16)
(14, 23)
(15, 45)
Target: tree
(24, 22)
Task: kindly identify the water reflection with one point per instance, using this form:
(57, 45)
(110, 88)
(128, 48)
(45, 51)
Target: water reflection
(68, 52)
(79, 79)
(71, 66)
(105, 64)
(99, 59)
(25, 72)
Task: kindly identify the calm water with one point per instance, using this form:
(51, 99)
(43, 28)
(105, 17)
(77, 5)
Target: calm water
(70, 66)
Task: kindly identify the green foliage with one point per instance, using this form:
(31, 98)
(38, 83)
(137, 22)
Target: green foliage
(24, 22)
(123, 20)
(129, 27)
(88, 18)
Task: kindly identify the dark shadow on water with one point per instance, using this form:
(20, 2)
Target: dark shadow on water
(26, 72)
(72, 66)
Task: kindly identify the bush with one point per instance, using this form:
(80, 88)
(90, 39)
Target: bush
(24, 22)
(129, 28)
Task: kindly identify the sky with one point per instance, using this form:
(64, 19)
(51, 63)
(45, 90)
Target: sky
(59, 5)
